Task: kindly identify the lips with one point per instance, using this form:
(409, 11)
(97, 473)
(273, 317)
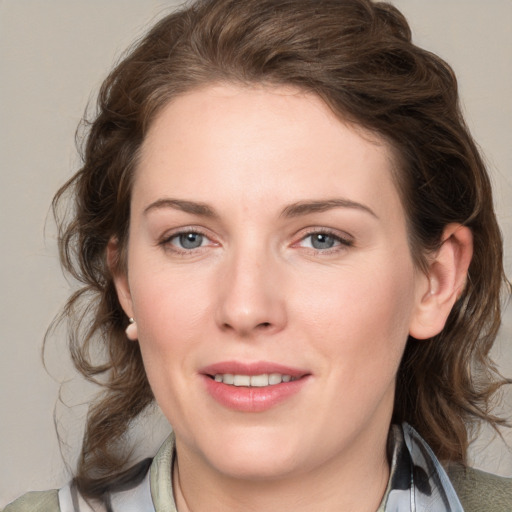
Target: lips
(254, 368)
(252, 387)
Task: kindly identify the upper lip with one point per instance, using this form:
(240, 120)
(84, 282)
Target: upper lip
(251, 368)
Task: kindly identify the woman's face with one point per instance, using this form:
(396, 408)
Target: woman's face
(271, 280)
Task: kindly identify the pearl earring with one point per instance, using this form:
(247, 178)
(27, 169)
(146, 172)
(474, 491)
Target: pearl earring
(131, 330)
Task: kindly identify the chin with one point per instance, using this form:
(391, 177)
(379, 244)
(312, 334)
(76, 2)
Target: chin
(258, 466)
(256, 453)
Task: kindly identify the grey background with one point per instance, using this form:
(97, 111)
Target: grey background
(53, 53)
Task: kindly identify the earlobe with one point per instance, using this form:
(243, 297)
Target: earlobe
(120, 277)
(131, 331)
(447, 273)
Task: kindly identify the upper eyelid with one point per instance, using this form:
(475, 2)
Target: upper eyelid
(344, 241)
(303, 233)
(342, 235)
(166, 243)
(169, 235)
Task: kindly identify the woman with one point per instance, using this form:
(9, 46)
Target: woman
(290, 236)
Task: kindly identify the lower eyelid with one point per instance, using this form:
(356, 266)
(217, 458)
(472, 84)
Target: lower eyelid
(340, 241)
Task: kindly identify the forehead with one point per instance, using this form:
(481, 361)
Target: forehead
(278, 143)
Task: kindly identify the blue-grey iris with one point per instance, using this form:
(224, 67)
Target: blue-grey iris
(191, 240)
(322, 241)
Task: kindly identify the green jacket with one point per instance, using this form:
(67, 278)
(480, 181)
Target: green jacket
(477, 491)
(481, 492)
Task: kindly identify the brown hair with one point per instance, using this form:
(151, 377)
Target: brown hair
(358, 57)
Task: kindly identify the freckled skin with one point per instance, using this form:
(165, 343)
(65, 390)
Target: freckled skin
(256, 289)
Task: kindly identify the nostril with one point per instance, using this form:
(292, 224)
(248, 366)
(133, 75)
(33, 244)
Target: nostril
(264, 325)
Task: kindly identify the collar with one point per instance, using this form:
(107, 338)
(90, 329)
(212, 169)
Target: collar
(417, 481)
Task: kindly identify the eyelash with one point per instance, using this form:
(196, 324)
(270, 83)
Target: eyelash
(166, 241)
(341, 242)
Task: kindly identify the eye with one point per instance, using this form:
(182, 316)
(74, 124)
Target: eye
(323, 241)
(187, 241)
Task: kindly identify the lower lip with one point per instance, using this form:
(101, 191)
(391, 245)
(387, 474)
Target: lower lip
(253, 399)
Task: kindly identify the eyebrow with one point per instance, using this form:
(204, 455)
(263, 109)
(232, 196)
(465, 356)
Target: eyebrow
(192, 207)
(307, 207)
(292, 210)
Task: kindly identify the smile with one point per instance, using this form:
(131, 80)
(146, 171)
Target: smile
(258, 381)
(253, 386)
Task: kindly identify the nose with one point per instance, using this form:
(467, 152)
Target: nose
(251, 296)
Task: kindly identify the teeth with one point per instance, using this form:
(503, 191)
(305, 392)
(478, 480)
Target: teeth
(275, 378)
(258, 381)
(242, 380)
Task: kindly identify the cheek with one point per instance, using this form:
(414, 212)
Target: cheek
(171, 309)
(361, 320)
(170, 314)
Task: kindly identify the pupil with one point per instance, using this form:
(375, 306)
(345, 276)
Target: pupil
(322, 241)
(191, 240)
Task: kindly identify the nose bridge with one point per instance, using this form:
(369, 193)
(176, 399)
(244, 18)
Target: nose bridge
(250, 292)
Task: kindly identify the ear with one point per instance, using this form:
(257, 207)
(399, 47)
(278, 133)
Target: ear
(120, 277)
(444, 282)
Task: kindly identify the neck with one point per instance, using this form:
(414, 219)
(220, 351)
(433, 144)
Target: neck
(355, 482)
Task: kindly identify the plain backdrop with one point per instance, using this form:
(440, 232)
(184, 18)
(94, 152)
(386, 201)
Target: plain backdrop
(53, 55)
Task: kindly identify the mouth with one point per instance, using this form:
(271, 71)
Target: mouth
(253, 387)
(254, 381)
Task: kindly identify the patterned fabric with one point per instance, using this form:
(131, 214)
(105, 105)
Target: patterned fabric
(417, 480)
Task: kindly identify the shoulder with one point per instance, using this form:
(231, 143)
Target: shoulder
(478, 490)
(41, 501)
(129, 492)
